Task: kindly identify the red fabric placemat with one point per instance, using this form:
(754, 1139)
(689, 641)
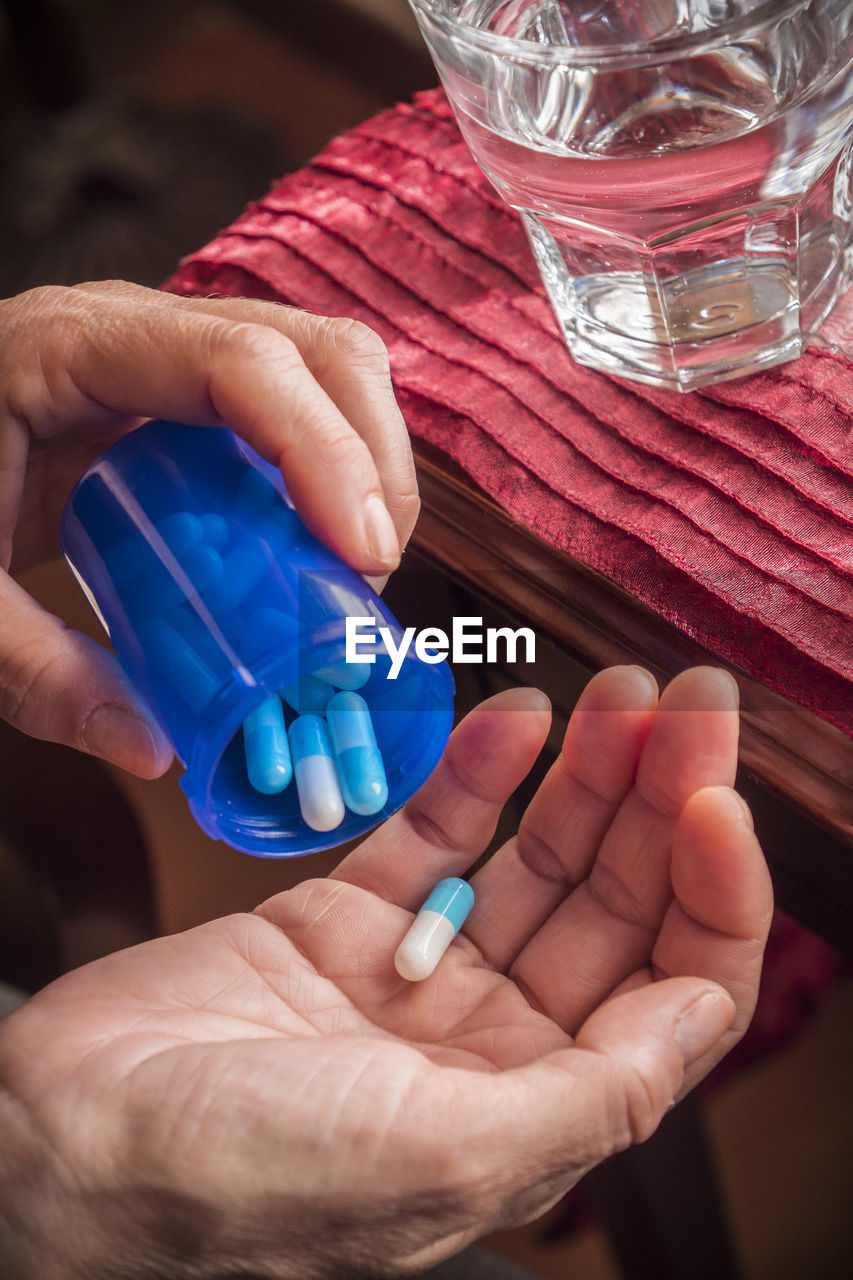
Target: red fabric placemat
(729, 511)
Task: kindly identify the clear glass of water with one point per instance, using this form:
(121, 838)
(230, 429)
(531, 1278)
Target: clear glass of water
(682, 167)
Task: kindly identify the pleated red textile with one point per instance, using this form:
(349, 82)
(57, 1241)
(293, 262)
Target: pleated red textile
(729, 511)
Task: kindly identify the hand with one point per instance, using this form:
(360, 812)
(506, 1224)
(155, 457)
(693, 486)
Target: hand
(80, 367)
(265, 1095)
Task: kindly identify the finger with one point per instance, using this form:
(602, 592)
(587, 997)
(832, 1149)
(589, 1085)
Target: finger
(717, 924)
(569, 1110)
(350, 362)
(693, 743)
(61, 686)
(606, 928)
(559, 835)
(154, 359)
(449, 822)
(14, 449)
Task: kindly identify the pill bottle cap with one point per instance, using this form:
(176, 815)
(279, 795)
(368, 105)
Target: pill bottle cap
(216, 597)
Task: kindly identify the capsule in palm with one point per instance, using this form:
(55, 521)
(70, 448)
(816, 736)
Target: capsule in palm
(268, 762)
(320, 801)
(433, 929)
(359, 760)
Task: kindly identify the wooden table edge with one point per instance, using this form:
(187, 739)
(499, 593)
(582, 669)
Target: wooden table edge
(794, 752)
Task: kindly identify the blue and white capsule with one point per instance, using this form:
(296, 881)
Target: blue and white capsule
(434, 928)
(360, 767)
(266, 748)
(320, 801)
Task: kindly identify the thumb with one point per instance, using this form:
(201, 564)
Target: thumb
(517, 1140)
(563, 1113)
(648, 1038)
(60, 685)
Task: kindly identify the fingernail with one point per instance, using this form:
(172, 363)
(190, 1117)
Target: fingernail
(382, 541)
(727, 689)
(123, 738)
(701, 1024)
(647, 676)
(525, 698)
(745, 810)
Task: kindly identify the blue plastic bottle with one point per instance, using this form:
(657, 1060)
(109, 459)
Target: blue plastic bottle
(216, 597)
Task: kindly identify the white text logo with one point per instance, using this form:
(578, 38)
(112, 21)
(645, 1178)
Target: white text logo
(466, 643)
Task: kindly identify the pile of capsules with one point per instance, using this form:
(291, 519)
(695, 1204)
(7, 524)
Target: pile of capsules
(329, 749)
(333, 757)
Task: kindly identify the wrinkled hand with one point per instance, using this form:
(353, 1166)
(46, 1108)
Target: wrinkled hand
(265, 1095)
(80, 367)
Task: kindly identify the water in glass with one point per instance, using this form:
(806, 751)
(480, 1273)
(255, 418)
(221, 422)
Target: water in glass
(682, 167)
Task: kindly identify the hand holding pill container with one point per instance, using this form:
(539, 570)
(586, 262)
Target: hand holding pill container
(229, 617)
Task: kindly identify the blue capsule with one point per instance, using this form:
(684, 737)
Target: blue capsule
(160, 592)
(308, 696)
(345, 675)
(358, 758)
(279, 527)
(212, 646)
(137, 557)
(215, 530)
(268, 762)
(320, 801)
(176, 662)
(269, 632)
(242, 569)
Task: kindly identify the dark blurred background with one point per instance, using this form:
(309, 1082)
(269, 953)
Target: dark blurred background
(132, 133)
(129, 135)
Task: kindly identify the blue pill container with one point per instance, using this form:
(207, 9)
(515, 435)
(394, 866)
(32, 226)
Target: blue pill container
(215, 596)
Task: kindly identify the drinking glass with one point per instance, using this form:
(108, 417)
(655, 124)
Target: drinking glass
(682, 167)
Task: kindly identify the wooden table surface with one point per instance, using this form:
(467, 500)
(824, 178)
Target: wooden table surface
(796, 769)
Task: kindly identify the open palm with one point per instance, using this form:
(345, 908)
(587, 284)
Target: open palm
(264, 1091)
